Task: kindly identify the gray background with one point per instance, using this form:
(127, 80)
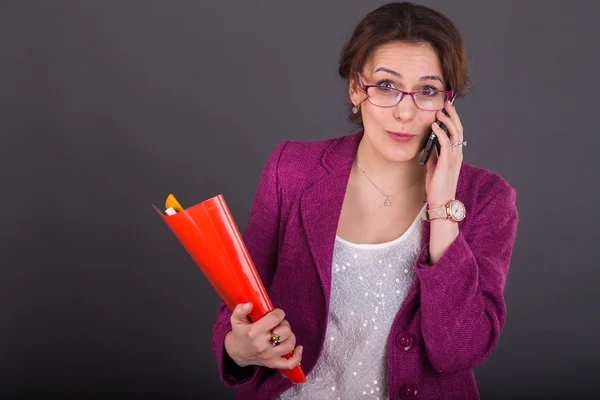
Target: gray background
(108, 106)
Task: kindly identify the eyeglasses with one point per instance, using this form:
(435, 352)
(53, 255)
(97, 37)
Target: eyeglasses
(385, 96)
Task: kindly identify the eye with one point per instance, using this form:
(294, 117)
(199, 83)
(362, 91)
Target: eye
(386, 84)
(429, 91)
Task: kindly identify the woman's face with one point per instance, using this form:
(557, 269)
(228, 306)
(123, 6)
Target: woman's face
(408, 67)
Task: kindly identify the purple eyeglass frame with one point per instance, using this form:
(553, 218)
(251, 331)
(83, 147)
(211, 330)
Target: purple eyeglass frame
(411, 94)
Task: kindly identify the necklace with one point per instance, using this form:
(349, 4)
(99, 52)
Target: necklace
(387, 197)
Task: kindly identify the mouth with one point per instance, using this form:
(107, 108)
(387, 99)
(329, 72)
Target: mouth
(400, 136)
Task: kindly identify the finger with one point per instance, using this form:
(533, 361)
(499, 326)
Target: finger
(443, 139)
(239, 316)
(452, 128)
(284, 330)
(269, 321)
(292, 362)
(451, 110)
(282, 351)
(432, 162)
(284, 347)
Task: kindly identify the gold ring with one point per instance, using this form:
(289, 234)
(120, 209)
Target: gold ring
(275, 339)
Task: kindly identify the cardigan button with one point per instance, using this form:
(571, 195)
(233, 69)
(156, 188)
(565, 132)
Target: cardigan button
(409, 392)
(404, 341)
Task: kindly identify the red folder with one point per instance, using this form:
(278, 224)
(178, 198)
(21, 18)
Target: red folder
(209, 234)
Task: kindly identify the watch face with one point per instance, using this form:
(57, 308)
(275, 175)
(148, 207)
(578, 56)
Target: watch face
(457, 210)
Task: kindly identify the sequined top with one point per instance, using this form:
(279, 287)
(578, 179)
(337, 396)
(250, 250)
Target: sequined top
(369, 285)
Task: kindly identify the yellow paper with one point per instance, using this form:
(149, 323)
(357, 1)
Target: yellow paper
(173, 203)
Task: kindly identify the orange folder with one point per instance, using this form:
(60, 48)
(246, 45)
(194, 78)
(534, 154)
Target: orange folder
(209, 234)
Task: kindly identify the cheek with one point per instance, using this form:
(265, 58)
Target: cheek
(424, 122)
(375, 115)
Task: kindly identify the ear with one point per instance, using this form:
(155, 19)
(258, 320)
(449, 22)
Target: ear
(353, 91)
(357, 95)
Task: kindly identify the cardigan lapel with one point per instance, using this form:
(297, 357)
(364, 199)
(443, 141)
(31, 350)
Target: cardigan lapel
(321, 204)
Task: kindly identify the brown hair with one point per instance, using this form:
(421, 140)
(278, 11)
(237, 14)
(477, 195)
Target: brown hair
(409, 23)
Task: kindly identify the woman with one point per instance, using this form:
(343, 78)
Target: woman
(391, 273)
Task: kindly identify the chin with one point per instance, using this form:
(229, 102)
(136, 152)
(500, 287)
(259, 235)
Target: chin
(402, 155)
(402, 152)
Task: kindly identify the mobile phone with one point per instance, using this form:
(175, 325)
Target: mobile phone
(433, 140)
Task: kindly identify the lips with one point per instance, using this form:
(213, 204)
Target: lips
(400, 136)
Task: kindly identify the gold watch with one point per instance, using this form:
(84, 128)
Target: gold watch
(453, 210)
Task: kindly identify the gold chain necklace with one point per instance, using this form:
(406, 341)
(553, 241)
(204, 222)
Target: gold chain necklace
(387, 197)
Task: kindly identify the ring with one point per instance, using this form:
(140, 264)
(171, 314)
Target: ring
(275, 340)
(458, 144)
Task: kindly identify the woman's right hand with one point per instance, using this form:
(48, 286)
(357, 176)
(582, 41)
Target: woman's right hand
(248, 343)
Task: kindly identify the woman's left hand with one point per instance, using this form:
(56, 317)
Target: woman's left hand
(443, 169)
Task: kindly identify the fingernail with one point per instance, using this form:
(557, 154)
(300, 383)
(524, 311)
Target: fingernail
(300, 349)
(246, 306)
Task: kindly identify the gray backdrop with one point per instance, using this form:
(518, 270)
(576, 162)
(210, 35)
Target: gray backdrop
(108, 106)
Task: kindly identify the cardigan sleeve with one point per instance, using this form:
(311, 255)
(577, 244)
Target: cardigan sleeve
(261, 238)
(462, 303)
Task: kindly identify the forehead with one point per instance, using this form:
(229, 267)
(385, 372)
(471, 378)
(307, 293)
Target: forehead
(408, 59)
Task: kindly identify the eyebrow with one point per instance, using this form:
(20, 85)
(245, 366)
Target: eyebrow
(423, 78)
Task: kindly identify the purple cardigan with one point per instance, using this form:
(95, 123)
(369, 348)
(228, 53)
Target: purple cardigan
(449, 323)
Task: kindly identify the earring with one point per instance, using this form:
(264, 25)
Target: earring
(355, 109)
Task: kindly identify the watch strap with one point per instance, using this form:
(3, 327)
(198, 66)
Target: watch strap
(436, 213)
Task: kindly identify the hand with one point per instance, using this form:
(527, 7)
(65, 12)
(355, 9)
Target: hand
(443, 169)
(248, 343)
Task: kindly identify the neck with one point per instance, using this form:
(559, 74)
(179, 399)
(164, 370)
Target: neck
(390, 176)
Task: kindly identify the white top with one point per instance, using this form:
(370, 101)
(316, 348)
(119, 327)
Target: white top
(368, 286)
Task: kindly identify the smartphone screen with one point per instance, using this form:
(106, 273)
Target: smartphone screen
(432, 141)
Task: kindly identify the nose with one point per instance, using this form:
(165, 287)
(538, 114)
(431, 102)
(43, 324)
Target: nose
(406, 108)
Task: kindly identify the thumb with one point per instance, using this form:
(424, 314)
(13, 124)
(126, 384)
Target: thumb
(240, 314)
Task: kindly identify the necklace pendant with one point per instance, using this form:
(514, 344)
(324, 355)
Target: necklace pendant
(387, 202)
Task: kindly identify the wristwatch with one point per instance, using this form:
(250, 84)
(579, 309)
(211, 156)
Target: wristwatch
(453, 210)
